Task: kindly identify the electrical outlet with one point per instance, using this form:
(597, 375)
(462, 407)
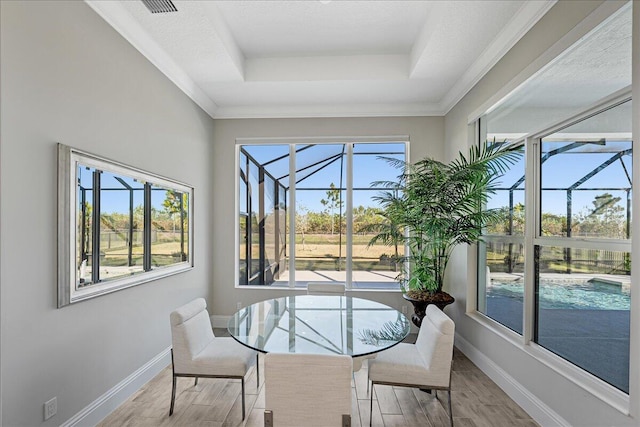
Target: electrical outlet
(50, 408)
(238, 305)
(404, 309)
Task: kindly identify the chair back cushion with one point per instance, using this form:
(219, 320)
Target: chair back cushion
(325, 288)
(191, 331)
(307, 389)
(435, 344)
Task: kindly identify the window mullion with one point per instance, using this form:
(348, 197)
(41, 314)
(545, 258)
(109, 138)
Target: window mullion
(95, 241)
(261, 225)
(248, 239)
(292, 216)
(131, 221)
(532, 221)
(146, 246)
(349, 213)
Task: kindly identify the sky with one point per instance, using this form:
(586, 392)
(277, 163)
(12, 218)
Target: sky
(118, 201)
(560, 171)
(367, 168)
(564, 170)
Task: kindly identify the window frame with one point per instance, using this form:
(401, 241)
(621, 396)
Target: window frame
(68, 291)
(291, 200)
(587, 382)
(532, 238)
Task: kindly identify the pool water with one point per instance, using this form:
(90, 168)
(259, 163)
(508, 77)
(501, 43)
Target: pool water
(577, 295)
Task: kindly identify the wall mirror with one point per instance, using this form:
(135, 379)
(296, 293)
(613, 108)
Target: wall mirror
(118, 226)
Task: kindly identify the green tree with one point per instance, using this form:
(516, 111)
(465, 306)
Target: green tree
(502, 226)
(332, 202)
(442, 206)
(605, 218)
(553, 225)
(365, 217)
(388, 232)
(175, 202)
(302, 221)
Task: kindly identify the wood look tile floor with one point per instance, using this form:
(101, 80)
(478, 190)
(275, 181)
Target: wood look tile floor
(476, 400)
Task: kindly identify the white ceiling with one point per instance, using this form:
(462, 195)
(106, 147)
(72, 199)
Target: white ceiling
(598, 65)
(324, 58)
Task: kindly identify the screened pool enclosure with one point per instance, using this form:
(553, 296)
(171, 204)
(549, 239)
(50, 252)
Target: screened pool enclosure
(307, 213)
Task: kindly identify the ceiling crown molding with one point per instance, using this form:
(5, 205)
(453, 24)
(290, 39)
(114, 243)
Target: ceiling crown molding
(120, 19)
(526, 17)
(325, 111)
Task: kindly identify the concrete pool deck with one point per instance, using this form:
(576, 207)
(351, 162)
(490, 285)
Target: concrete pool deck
(384, 280)
(595, 340)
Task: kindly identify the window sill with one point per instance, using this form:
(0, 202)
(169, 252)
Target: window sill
(304, 289)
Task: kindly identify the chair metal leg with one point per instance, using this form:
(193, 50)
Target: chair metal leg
(268, 418)
(257, 372)
(450, 413)
(371, 406)
(173, 395)
(196, 383)
(242, 398)
(173, 390)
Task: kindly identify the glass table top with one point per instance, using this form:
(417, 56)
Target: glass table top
(316, 324)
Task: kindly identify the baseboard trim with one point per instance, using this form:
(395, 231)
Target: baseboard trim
(537, 409)
(219, 321)
(100, 408)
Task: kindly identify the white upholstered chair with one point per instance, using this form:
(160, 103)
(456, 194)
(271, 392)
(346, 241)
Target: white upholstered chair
(311, 390)
(425, 364)
(325, 288)
(197, 352)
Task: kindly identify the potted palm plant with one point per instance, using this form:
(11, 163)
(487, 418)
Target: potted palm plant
(440, 205)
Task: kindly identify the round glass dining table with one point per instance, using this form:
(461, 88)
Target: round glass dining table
(319, 324)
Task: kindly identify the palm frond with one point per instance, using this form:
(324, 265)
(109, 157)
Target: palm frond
(390, 331)
(442, 205)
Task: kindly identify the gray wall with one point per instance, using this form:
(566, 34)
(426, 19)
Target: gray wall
(67, 76)
(575, 405)
(426, 135)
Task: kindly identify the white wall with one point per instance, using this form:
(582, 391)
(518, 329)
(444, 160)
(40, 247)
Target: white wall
(573, 404)
(426, 135)
(67, 76)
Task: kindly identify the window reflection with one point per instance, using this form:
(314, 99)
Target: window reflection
(84, 222)
(110, 217)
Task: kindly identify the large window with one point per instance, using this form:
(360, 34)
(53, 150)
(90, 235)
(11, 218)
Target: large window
(118, 226)
(556, 268)
(582, 244)
(501, 290)
(307, 213)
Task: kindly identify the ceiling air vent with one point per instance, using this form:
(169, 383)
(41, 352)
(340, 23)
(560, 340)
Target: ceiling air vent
(160, 6)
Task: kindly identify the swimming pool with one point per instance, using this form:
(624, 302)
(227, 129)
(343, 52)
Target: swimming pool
(577, 295)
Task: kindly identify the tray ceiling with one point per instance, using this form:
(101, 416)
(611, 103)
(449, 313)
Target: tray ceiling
(324, 58)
